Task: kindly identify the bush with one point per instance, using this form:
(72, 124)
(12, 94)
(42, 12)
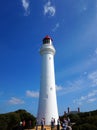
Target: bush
(11, 120)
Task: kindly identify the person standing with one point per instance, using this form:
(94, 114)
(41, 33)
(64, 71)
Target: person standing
(42, 123)
(58, 124)
(37, 124)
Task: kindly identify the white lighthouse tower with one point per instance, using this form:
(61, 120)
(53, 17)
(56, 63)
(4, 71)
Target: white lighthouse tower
(47, 108)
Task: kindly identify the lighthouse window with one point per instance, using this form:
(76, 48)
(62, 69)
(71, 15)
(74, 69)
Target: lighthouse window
(46, 41)
(49, 58)
(51, 88)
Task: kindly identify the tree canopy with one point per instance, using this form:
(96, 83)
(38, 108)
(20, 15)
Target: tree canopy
(83, 120)
(12, 119)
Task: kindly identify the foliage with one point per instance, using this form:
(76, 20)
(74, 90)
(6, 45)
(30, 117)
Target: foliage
(84, 121)
(11, 120)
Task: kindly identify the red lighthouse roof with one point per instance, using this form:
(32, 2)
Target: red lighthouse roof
(47, 37)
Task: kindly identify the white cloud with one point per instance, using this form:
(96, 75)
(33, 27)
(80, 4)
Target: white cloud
(56, 27)
(32, 94)
(15, 101)
(89, 98)
(25, 4)
(93, 93)
(83, 98)
(59, 88)
(82, 66)
(96, 51)
(49, 9)
(94, 56)
(70, 87)
(93, 78)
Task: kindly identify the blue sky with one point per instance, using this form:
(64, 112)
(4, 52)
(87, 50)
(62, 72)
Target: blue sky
(72, 24)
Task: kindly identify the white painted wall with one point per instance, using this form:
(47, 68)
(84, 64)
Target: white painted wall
(47, 100)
